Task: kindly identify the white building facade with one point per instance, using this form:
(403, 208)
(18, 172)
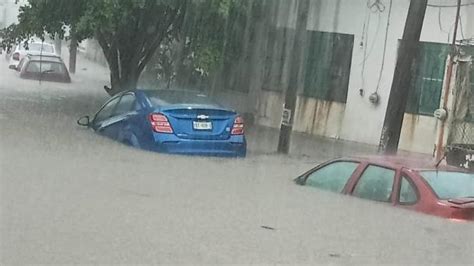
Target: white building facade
(365, 34)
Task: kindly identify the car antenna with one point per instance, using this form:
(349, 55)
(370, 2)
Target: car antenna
(439, 162)
(41, 61)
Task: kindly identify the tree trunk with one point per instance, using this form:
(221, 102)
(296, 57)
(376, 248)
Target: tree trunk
(182, 77)
(123, 78)
(402, 77)
(73, 54)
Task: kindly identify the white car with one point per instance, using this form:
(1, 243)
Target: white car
(36, 47)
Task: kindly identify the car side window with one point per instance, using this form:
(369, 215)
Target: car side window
(106, 111)
(33, 67)
(332, 177)
(375, 183)
(407, 192)
(126, 104)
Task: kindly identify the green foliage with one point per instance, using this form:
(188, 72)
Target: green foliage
(193, 37)
(209, 39)
(129, 31)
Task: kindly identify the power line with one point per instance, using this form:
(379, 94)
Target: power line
(384, 46)
(441, 6)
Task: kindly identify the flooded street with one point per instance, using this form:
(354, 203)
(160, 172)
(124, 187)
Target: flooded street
(69, 196)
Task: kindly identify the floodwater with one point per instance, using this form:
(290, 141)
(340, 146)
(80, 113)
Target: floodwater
(70, 196)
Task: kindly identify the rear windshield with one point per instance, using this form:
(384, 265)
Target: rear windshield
(45, 67)
(37, 47)
(450, 185)
(167, 97)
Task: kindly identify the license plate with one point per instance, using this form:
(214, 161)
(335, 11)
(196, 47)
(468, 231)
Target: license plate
(202, 125)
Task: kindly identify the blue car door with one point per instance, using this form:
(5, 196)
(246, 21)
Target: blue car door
(125, 115)
(104, 120)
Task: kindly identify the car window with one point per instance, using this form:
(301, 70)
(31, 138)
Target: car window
(45, 67)
(450, 185)
(166, 97)
(407, 192)
(106, 111)
(375, 183)
(332, 177)
(126, 104)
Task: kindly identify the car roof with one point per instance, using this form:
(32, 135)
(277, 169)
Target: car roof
(417, 163)
(144, 90)
(45, 58)
(41, 53)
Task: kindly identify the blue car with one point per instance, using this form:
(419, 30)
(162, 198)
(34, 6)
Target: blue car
(170, 121)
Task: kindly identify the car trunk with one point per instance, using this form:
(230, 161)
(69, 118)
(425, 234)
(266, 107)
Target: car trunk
(204, 123)
(462, 208)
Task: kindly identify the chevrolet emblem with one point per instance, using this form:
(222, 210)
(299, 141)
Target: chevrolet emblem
(202, 117)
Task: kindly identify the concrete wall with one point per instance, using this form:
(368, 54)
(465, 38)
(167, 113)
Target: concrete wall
(312, 116)
(419, 133)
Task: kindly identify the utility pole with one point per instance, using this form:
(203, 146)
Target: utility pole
(299, 45)
(397, 101)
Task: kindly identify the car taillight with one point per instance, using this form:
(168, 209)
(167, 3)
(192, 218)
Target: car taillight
(16, 56)
(160, 123)
(238, 127)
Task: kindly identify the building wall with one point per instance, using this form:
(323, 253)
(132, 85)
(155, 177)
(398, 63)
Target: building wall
(313, 116)
(419, 133)
(362, 121)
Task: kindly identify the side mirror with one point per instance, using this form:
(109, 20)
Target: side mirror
(84, 121)
(12, 67)
(300, 180)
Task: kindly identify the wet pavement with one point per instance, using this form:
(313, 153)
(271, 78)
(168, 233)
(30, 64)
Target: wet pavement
(70, 196)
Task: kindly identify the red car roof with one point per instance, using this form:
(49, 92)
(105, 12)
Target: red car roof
(411, 162)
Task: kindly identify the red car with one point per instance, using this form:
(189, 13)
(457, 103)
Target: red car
(408, 183)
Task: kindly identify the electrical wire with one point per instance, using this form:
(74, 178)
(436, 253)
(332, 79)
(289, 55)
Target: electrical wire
(363, 44)
(384, 46)
(41, 62)
(375, 36)
(439, 22)
(376, 6)
(443, 6)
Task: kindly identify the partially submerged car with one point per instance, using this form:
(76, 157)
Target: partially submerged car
(408, 183)
(20, 51)
(41, 67)
(171, 121)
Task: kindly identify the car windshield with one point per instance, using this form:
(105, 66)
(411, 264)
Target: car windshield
(168, 97)
(450, 185)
